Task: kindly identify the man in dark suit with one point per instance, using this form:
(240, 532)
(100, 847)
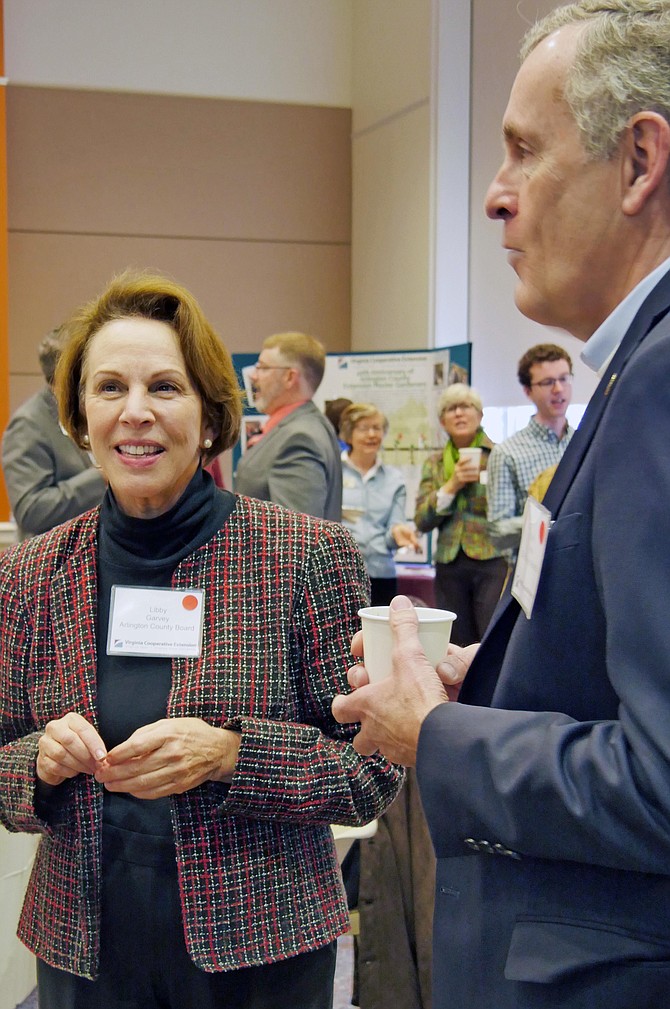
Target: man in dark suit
(48, 478)
(547, 789)
(296, 460)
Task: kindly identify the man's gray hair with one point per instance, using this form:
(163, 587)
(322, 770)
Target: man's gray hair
(621, 66)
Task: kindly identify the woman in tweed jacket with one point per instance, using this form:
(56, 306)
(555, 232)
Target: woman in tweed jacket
(183, 797)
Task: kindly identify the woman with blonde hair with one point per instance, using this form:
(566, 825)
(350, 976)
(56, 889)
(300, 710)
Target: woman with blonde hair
(469, 570)
(373, 498)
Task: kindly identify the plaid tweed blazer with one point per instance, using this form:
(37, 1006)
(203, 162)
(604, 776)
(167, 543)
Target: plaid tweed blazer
(257, 867)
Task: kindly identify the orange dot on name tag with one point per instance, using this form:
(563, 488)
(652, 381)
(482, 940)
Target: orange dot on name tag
(543, 531)
(189, 602)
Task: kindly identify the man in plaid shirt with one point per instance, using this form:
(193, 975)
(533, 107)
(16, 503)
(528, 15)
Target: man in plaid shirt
(545, 373)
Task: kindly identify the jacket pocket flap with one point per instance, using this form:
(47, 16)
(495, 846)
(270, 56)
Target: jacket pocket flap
(547, 951)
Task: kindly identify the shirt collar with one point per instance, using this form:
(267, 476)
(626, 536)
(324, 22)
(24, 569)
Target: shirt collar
(599, 348)
(545, 431)
(279, 414)
(378, 466)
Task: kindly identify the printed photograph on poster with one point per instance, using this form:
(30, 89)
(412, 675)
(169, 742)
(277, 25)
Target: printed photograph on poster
(248, 387)
(421, 556)
(252, 428)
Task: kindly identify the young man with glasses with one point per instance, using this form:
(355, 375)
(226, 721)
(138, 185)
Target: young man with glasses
(296, 460)
(545, 373)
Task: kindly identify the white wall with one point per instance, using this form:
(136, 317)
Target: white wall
(430, 84)
(391, 174)
(450, 157)
(296, 51)
(498, 331)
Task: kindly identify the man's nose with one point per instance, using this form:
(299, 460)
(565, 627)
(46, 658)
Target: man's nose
(500, 200)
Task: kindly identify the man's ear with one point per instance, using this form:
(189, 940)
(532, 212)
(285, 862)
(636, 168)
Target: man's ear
(646, 150)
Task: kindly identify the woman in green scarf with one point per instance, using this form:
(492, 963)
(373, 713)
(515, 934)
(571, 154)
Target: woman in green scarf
(469, 571)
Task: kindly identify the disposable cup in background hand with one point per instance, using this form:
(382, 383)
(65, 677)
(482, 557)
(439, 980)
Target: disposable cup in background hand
(434, 635)
(473, 454)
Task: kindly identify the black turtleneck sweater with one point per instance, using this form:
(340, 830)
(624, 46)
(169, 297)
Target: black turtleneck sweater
(133, 690)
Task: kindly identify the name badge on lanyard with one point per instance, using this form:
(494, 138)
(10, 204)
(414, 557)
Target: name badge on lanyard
(536, 525)
(155, 622)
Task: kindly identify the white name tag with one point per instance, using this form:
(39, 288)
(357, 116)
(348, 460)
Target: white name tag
(536, 525)
(157, 622)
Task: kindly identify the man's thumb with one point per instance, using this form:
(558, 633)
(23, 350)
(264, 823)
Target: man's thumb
(402, 616)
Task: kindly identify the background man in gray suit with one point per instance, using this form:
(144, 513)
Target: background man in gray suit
(296, 460)
(48, 478)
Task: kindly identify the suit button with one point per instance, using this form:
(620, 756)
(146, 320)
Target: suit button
(481, 845)
(500, 849)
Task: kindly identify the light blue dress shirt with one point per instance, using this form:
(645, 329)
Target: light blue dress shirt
(371, 505)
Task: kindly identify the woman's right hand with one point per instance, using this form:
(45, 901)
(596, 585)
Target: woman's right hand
(69, 746)
(465, 471)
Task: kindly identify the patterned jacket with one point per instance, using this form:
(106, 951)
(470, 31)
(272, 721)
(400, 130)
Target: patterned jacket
(463, 525)
(257, 867)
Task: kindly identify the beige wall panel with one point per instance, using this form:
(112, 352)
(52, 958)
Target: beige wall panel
(22, 387)
(119, 164)
(391, 238)
(247, 289)
(391, 57)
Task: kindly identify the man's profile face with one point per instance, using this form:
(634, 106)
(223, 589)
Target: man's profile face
(560, 209)
(550, 389)
(269, 379)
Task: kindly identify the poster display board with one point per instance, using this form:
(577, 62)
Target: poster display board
(405, 386)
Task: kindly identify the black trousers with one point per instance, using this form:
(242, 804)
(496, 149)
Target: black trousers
(145, 965)
(382, 591)
(470, 588)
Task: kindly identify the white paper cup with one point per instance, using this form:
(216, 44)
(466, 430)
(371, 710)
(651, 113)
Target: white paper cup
(473, 454)
(434, 634)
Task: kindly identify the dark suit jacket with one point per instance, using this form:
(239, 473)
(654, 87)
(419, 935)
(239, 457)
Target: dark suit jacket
(550, 809)
(296, 464)
(48, 479)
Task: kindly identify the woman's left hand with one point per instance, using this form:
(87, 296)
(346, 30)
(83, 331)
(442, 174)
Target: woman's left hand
(169, 757)
(405, 536)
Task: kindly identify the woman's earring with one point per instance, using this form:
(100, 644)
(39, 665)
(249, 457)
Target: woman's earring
(207, 443)
(86, 440)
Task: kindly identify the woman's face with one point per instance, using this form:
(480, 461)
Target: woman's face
(367, 435)
(144, 417)
(461, 422)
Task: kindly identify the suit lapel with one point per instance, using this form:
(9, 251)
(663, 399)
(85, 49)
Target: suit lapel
(483, 675)
(73, 606)
(651, 312)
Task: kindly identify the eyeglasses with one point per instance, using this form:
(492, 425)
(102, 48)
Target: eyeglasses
(369, 428)
(271, 367)
(549, 383)
(460, 406)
